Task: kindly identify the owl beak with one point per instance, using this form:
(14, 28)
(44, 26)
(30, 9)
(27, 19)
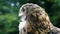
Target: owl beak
(20, 14)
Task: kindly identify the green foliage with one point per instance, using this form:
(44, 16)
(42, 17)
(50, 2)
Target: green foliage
(8, 23)
(9, 10)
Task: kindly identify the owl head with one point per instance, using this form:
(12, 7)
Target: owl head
(33, 12)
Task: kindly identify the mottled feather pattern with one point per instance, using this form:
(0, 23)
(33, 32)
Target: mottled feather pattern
(35, 20)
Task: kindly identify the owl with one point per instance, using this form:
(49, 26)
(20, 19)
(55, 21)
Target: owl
(35, 20)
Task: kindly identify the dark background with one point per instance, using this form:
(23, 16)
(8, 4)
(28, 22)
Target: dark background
(9, 10)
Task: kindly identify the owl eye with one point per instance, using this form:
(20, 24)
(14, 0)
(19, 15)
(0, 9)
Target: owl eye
(23, 9)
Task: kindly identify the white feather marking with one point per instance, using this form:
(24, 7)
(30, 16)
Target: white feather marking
(22, 25)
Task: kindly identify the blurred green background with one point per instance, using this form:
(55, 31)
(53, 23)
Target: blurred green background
(9, 10)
